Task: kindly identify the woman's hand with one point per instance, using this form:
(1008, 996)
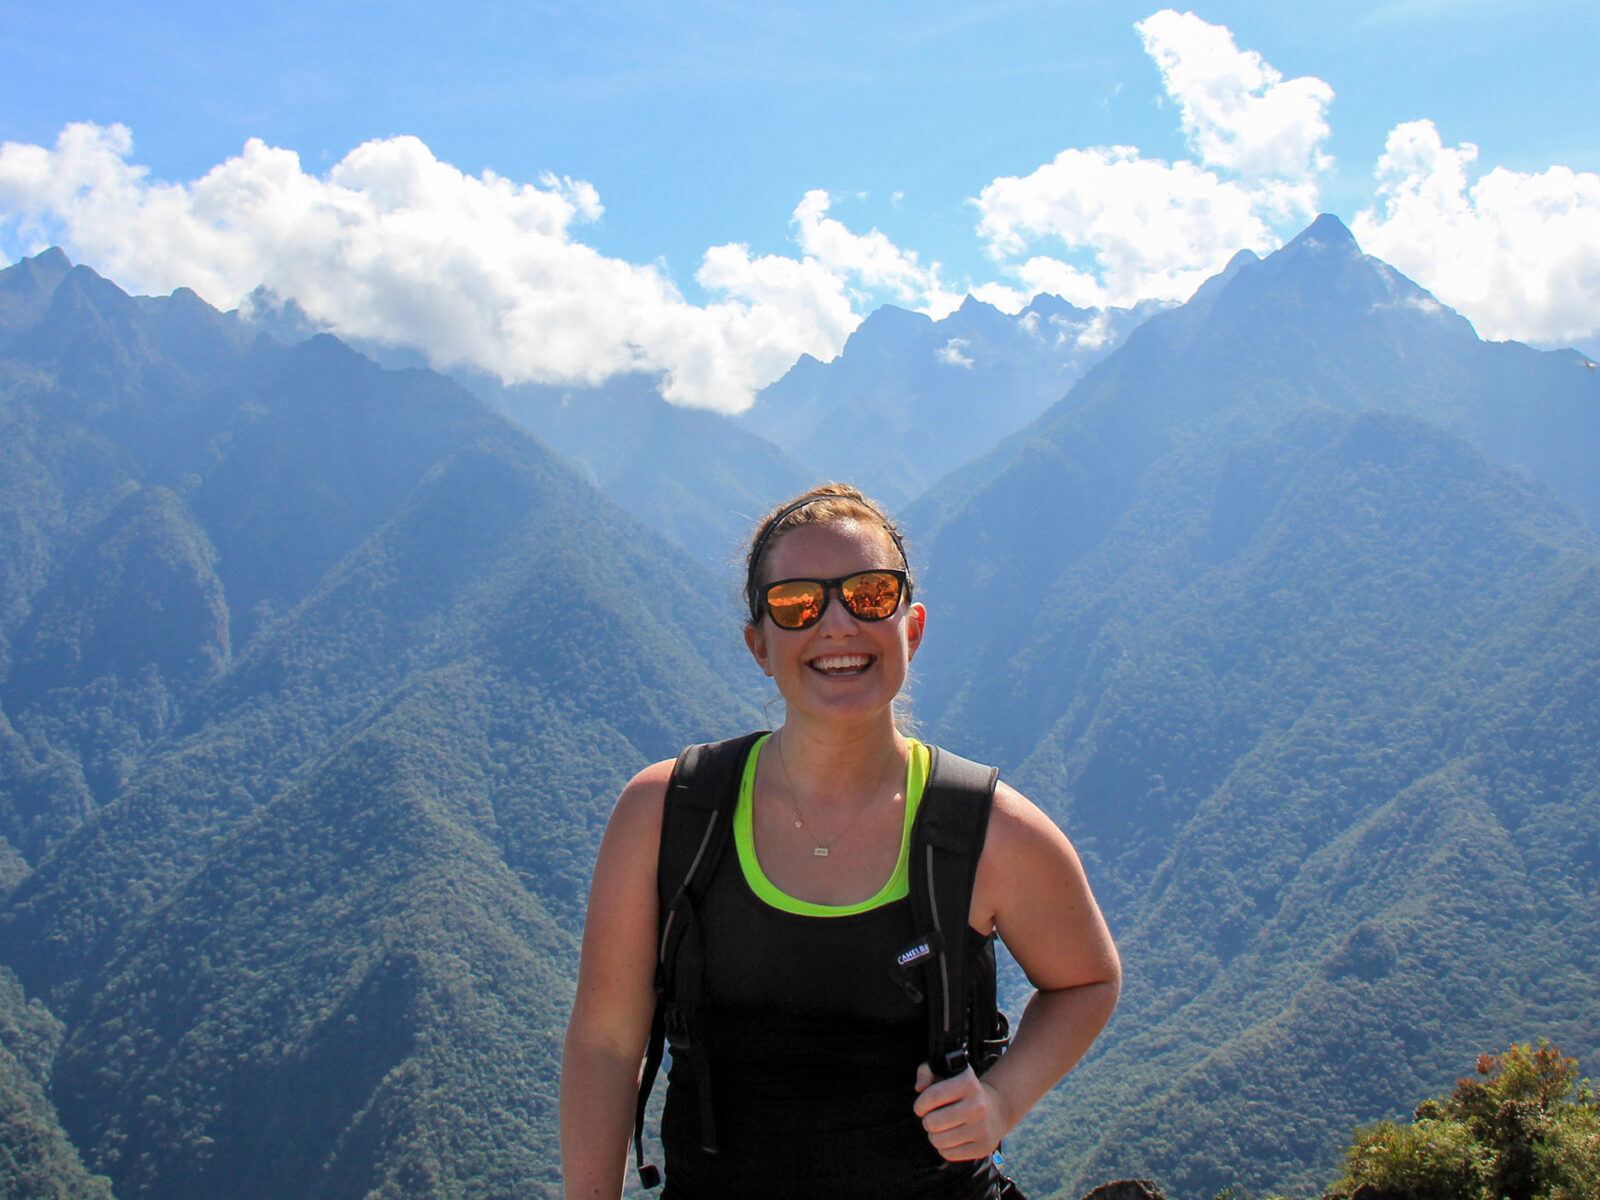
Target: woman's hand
(962, 1115)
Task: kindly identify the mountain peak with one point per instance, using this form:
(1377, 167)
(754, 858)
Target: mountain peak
(1326, 231)
(886, 330)
(1048, 304)
(1217, 282)
(1324, 258)
(889, 316)
(282, 319)
(52, 264)
(54, 260)
(27, 285)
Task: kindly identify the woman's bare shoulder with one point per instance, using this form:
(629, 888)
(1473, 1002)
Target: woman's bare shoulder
(647, 789)
(636, 818)
(1031, 886)
(1017, 826)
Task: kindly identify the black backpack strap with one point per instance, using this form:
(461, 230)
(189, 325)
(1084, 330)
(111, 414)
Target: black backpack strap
(695, 825)
(946, 844)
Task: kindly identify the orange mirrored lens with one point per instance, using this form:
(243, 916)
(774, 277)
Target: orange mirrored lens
(796, 604)
(872, 595)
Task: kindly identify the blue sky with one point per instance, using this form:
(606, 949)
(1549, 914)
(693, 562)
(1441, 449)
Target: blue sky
(707, 190)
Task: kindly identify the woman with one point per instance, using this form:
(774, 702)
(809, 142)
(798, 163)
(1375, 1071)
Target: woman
(818, 860)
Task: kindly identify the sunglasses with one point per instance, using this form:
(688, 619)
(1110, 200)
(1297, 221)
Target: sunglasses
(800, 603)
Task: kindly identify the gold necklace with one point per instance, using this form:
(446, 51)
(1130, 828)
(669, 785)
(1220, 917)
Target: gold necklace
(818, 849)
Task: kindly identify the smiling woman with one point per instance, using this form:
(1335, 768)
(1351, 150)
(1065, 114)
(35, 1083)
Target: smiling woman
(791, 955)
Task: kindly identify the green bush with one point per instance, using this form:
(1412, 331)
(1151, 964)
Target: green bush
(1430, 1160)
(1526, 1129)
(1569, 1161)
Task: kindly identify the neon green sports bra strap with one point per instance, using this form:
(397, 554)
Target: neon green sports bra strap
(899, 882)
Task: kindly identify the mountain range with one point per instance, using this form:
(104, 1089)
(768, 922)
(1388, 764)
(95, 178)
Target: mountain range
(317, 680)
(908, 399)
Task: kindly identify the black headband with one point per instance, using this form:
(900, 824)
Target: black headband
(761, 542)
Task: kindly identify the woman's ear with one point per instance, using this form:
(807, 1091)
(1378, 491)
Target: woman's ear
(757, 641)
(916, 622)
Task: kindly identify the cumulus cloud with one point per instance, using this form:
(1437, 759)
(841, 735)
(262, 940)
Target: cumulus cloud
(1093, 333)
(1154, 229)
(1137, 228)
(1006, 298)
(953, 353)
(1517, 253)
(1239, 113)
(871, 259)
(395, 245)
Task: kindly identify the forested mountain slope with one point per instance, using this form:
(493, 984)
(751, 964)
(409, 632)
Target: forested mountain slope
(1314, 685)
(319, 683)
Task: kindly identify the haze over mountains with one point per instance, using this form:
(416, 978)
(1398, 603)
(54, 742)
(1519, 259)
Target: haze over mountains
(907, 400)
(319, 680)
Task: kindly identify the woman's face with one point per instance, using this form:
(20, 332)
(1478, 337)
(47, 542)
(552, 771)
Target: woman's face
(840, 668)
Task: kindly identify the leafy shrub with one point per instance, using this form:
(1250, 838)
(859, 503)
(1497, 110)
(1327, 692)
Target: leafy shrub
(1430, 1160)
(1526, 1129)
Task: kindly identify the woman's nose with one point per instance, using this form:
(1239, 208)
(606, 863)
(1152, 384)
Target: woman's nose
(835, 616)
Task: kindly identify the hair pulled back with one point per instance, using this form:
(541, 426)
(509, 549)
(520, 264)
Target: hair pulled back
(825, 504)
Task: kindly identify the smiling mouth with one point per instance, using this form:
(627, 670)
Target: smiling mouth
(841, 664)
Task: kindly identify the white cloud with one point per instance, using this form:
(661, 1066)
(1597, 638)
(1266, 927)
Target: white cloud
(1154, 229)
(394, 245)
(1137, 228)
(1238, 112)
(876, 263)
(1517, 253)
(1089, 335)
(1008, 300)
(952, 353)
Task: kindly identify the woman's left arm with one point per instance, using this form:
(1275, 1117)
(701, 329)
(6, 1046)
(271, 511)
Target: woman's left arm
(1031, 890)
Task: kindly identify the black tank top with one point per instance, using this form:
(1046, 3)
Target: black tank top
(813, 1048)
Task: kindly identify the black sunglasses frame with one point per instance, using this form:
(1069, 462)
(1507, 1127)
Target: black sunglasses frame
(829, 586)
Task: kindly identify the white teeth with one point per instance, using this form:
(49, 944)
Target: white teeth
(841, 662)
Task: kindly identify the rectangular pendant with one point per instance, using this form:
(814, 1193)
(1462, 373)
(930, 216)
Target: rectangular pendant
(820, 851)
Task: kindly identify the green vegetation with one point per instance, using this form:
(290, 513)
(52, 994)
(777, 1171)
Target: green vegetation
(1527, 1129)
(37, 1159)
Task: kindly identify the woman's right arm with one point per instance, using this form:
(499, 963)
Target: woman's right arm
(615, 1000)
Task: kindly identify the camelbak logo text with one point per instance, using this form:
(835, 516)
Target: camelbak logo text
(920, 950)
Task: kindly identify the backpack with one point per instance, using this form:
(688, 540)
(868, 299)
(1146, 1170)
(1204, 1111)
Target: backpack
(965, 1025)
